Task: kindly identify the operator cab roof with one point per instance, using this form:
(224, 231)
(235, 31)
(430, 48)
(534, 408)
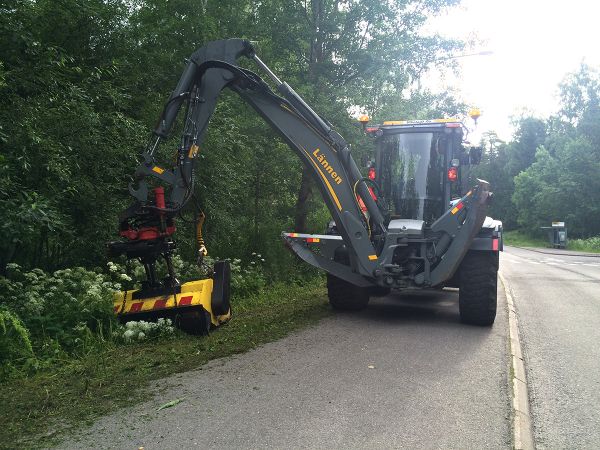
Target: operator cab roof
(398, 126)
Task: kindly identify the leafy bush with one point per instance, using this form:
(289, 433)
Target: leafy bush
(63, 310)
(585, 245)
(249, 279)
(48, 316)
(15, 346)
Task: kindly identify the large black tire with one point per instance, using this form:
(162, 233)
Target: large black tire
(344, 296)
(477, 298)
(379, 291)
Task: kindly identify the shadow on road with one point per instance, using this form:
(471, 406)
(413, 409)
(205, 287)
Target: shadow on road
(430, 309)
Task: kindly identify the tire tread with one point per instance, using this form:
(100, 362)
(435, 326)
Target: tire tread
(478, 288)
(344, 296)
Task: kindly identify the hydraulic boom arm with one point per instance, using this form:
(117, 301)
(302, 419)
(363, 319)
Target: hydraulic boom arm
(211, 69)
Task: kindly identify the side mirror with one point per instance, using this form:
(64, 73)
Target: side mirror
(475, 155)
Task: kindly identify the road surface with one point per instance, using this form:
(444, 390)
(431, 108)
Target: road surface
(403, 374)
(557, 297)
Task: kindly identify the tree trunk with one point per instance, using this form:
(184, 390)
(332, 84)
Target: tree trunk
(304, 195)
(256, 204)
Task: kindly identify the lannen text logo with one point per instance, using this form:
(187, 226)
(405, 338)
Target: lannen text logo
(317, 154)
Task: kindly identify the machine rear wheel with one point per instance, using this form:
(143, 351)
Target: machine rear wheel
(344, 296)
(477, 298)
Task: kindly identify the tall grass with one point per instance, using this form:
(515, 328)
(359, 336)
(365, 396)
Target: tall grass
(585, 245)
(520, 239)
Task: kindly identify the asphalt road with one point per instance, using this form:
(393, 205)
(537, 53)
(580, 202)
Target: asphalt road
(403, 374)
(557, 297)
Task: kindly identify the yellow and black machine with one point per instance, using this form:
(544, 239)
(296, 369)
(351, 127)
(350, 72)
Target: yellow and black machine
(411, 224)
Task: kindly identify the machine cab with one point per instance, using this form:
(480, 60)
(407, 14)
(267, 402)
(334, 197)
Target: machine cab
(421, 167)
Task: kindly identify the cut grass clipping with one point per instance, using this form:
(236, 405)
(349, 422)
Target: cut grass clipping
(37, 411)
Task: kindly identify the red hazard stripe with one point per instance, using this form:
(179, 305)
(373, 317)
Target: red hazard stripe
(186, 300)
(159, 304)
(116, 308)
(136, 307)
(495, 245)
(459, 205)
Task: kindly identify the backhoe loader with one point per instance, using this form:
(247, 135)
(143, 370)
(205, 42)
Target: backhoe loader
(413, 223)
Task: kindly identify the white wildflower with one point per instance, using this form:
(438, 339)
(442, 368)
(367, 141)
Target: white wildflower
(141, 336)
(112, 266)
(128, 334)
(125, 277)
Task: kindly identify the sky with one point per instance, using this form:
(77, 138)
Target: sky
(535, 43)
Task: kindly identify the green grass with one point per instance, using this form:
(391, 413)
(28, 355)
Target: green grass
(39, 410)
(520, 239)
(590, 245)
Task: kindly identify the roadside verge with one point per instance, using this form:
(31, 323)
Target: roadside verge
(39, 410)
(559, 252)
(522, 426)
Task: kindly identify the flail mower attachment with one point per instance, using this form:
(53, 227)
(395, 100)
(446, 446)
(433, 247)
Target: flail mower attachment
(195, 306)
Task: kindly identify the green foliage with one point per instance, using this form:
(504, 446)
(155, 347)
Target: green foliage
(562, 186)
(48, 317)
(585, 245)
(549, 172)
(110, 376)
(64, 119)
(15, 346)
(502, 162)
(522, 239)
(81, 82)
(65, 311)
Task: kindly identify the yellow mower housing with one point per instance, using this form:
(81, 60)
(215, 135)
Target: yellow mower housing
(195, 306)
